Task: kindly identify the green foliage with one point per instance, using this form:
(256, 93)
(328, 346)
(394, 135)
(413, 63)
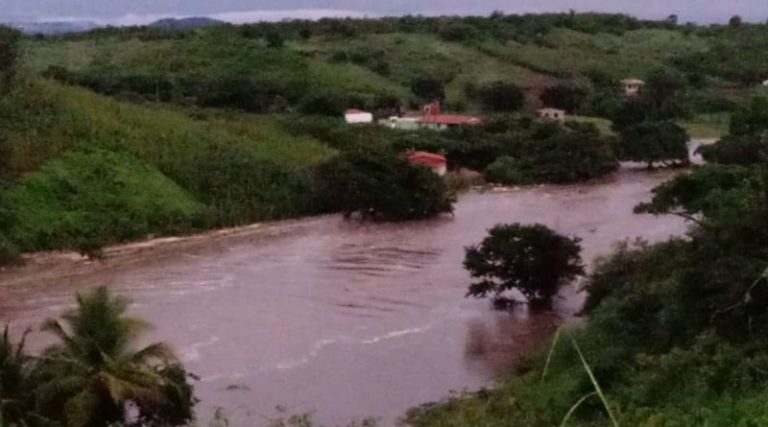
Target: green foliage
(532, 259)
(9, 50)
(500, 97)
(89, 198)
(15, 384)
(744, 150)
(382, 186)
(565, 97)
(557, 154)
(751, 118)
(428, 88)
(95, 372)
(653, 142)
(697, 192)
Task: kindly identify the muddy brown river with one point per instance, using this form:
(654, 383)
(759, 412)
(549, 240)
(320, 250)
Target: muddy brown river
(339, 318)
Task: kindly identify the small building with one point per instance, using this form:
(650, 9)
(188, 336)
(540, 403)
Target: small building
(401, 123)
(765, 83)
(357, 116)
(632, 87)
(551, 114)
(445, 121)
(437, 162)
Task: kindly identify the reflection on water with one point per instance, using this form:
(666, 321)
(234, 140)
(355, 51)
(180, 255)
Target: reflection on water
(341, 318)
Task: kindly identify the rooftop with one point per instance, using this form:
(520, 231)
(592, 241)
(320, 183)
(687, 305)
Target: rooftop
(450, 119)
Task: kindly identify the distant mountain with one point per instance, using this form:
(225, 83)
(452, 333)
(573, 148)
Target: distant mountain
(182, 23)
(55, 27)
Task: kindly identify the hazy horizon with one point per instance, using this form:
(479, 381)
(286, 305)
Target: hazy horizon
(137, 12)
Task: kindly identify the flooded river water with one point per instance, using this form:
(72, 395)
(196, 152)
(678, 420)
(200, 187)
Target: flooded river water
(345, 319)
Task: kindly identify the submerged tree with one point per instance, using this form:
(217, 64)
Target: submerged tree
(382, 186)
(654, 142)
(531, 259)
(95, 373)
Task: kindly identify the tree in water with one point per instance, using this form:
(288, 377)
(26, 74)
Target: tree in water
(94, 374)
(531, 259)
(654, 142)
(380, 185)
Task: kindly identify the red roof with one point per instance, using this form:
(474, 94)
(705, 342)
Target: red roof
(355, 111)
(450, 119)
(427, 158)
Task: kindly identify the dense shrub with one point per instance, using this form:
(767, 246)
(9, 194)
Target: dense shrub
(565, 97)
(382, 186)
(652, 142)
(501, 96)
(557, 154)
(428, 88)
(742, 150)
(751, 118)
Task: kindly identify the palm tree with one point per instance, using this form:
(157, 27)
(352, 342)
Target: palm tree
(94, 375)
(14, 374)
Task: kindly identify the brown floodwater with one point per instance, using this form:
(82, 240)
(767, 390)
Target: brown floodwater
(340, 318)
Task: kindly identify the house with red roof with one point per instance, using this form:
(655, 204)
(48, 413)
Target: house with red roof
(430, 117)
(433, 118)
(437, 162)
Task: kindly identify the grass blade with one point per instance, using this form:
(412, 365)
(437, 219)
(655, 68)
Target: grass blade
(592, 378)
(555, 340)
(576, 406)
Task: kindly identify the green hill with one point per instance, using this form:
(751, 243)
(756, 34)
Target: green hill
(87, 170)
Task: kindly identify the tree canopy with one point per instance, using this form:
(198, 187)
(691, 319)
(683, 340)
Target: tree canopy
(381, 185)
(531, 259)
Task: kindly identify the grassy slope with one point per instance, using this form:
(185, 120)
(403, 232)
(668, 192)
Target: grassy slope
(315, 63)
(88, 166)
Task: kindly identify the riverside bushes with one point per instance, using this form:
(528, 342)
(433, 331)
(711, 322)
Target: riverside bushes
(676, 333)
(556, 154)
(380, 185)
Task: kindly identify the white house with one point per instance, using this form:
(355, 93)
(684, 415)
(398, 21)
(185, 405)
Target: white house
(358, 116)
(632, 87)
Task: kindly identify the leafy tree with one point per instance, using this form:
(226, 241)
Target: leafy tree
(565, 97)
(663, 88)
(741, 150)
(501, 96)
(383, 186)
(428, 88)
(735, 21)
(751, 118)
(531, 259)
(557, 154)
(630, 112)
(654, 141)
(95, 373)
(698, 192)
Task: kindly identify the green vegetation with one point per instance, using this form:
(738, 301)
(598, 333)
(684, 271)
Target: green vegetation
(533, 260)
(382, 186)
(675, 331)
(556, 154)
(94, 375)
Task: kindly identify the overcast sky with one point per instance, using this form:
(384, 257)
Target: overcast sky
(142, 11)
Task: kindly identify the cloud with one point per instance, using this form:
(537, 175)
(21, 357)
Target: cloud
(279, 15)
